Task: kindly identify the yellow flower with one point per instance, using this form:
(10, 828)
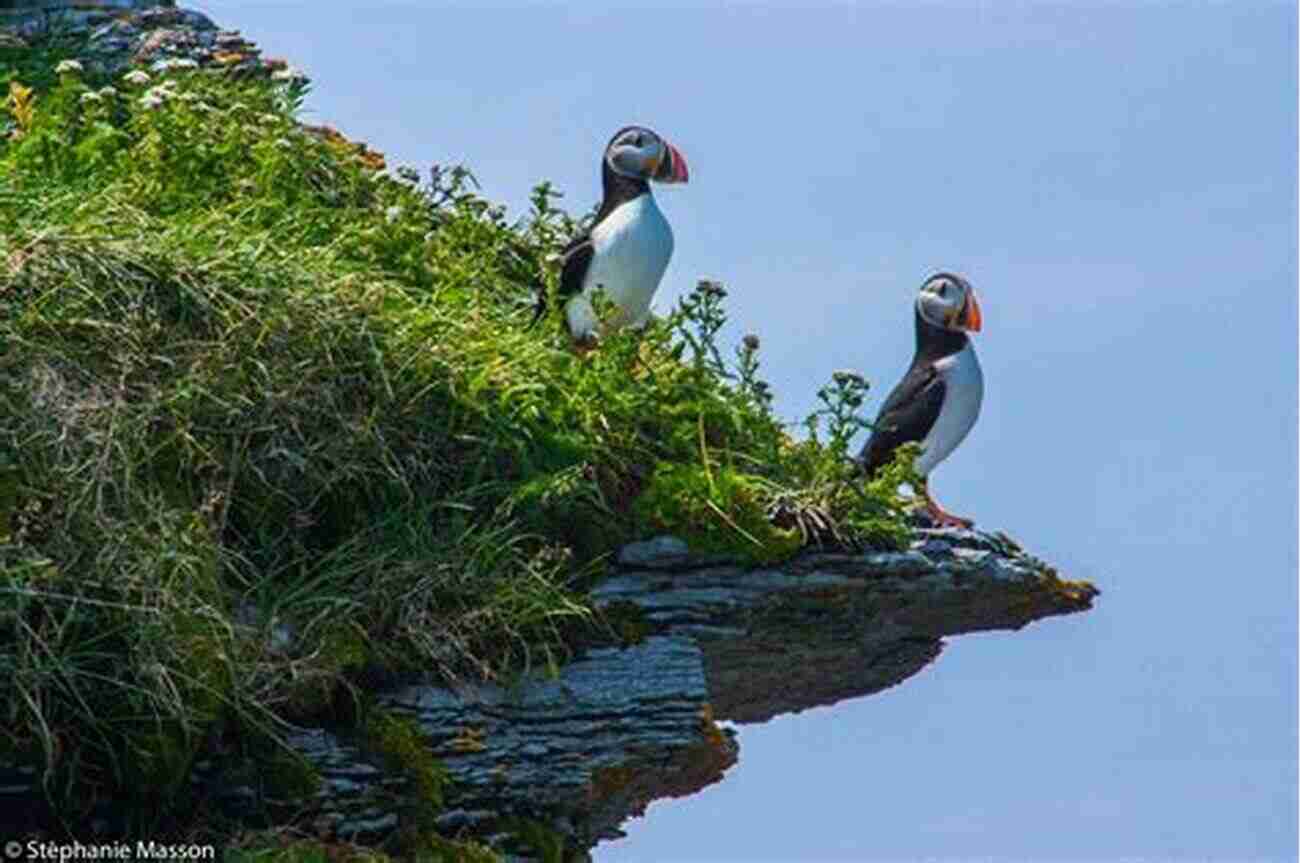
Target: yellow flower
(21, 105)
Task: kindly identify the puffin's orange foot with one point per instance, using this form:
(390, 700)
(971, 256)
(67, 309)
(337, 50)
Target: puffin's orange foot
(942, 518)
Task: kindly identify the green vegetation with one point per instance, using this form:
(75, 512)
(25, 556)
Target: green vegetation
(271, 420)
(273, 848)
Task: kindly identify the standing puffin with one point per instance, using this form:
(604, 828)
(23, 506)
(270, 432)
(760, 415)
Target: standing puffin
(938, 400)
(627, 247)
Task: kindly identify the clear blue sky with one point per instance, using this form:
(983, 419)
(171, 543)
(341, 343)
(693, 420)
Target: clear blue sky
(1119, 184)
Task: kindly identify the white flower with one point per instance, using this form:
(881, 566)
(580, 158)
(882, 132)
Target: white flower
(203, 107)
(288, 73)
(392, 214)
(139, 77)
(68, 67)
(180, 63)
(108, 92)
(161, 93)
(151, 101)
(90, 99)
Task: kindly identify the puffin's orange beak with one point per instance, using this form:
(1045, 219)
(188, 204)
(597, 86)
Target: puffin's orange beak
(680, 173)
(971, 319)
(673, 167)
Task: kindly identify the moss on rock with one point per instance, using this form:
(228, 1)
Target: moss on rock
(404, 749)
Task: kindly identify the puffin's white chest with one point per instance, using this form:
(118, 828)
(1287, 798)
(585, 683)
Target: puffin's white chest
(963, 394)
(631, 248)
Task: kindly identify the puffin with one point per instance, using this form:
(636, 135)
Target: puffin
(938, 400)
(627, 247)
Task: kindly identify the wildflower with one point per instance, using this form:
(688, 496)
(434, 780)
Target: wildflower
(68, 67)
(710, 288)
(288, 73)
(392, 214)
(151, 101)
(179, 63)
(750, 342)
(108, 92)
(91, 98)
(137, 78)
(845, 377)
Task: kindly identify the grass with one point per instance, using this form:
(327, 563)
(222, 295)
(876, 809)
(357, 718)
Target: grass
(271, 424)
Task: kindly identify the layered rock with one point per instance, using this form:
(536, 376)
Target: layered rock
(829, 626)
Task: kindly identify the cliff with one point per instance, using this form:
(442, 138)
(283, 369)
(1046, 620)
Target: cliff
(302, 528)
(586, 749)
(582, 751)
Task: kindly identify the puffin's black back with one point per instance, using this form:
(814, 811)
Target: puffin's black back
(912, 408)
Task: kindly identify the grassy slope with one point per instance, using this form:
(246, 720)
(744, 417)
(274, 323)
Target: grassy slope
(251, 386)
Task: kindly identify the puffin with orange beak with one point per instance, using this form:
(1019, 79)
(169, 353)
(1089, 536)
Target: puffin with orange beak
(938, 400)
(627, 247)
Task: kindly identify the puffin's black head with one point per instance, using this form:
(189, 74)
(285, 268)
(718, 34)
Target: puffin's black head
(640, 154)
(948, 301)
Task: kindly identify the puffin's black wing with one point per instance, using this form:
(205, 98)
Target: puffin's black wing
(574, 261)
(907, 415)
(577, 258)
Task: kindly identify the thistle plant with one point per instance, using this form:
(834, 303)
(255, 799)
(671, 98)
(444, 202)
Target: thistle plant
(699, 318)
(746, 375)
(841, 401)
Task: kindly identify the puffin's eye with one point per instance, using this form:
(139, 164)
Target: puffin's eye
(943, 289)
